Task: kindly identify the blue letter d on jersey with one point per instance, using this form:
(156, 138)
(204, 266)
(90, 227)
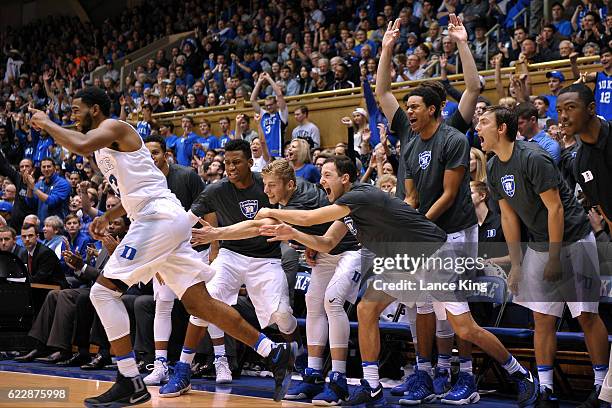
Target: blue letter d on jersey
(128, 253)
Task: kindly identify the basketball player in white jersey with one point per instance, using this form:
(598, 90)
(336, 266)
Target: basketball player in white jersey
(158, 241)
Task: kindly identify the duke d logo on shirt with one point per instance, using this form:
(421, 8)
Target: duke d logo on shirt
(508, 184)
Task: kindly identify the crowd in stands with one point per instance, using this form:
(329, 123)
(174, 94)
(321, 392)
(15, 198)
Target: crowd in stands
(49, 196)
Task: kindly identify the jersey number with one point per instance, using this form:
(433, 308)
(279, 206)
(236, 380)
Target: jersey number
(605, 97)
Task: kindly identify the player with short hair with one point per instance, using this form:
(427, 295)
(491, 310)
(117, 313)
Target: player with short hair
(561, 254)
(158, 241)
(592, 170)
(335, 279)
(253, 262)
(388, 227)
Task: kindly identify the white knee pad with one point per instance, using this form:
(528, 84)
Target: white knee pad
(111, 310)
(425, 308)
(215, 332)
(444, 329)
(339, 328)
(283, 317)
(162, 324)
(196, 321)
(316, 321)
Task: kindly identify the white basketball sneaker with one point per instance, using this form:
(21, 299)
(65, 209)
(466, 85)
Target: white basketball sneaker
(159, 375)
(224, 374)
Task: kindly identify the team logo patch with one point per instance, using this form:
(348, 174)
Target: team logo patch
(491, 233)
(249, 208)
(424, 159)
(350, 224)
(508, 184)
(588, 176)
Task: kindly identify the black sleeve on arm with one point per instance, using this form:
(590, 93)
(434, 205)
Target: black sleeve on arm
(456, 120)
(456, 150)
(352, 154)
(204, 204)
(542, 172)
(7, 170)
(492, 182)
(195, 184)
(451, 90)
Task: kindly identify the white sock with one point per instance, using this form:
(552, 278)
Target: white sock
(600, 371)
(444, 362)
(316, 363)
(187, 355)
(545, 374)
(219, 350)
(263, 346)
(370, 373)
(512, 366)
(127, 365)
(465, 365)
(424, 364)
(339, 366)
(161, 355)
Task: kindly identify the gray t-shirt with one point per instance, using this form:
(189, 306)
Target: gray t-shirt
(309, 132)
(520, 181)
(384, 224)
(426, 162)
(401, 127)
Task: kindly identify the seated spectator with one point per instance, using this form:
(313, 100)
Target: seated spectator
(49, 195)
(340, 78)
(529, 129)
(305, 129)
(478, 165)
(243, 129)
(299, 157)
(387, 183)
(43, 265)
(8, 243)
(52, 230)
(542, 105)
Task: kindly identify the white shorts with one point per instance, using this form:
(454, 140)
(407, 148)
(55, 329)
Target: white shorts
(578, 260)
(460, 244)
(158, 241)
(163, 292)
(264, 278)
(339, 273)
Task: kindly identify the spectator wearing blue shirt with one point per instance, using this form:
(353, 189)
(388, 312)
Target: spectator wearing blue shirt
(298, 156)
(206, 141)
(564, 27)
(224, 137)
(183, 145)
(183, 78)
(51, 194)
(42, 149)
(375, 116)
(78, 241)
(528, 128)
(143, 127)
(555, 83)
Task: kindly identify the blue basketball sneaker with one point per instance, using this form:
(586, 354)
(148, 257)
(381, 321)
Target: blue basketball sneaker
(311, 385)
(463, 392)
(366, 395)
(401, 389)
(335, 392)
(441, 382)
(421, 390)
(179, 383)
(528, 388)
(281, 361)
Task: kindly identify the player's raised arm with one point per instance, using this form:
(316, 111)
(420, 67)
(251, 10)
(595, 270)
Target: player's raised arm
(467, 103)
(387, 100)
(306, 217)
(323, 244)
(103, 136)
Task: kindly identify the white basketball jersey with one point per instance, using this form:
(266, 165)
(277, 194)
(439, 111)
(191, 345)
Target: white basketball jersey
(133, 176)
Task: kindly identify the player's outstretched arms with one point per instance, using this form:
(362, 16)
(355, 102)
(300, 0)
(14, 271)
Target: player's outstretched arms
(306, 217)
(241, 230)
(323, 244)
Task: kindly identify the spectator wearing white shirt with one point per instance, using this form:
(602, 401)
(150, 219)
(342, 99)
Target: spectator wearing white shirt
(306, 129)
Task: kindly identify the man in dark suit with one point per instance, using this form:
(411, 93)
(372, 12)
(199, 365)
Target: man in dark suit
(8, 243)
(58, 318)
(43, 264)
